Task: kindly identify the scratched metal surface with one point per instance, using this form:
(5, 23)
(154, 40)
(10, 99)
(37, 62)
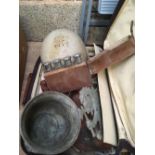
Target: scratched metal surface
(50, 123)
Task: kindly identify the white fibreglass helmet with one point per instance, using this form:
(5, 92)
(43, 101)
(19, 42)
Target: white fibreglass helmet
(62, 43)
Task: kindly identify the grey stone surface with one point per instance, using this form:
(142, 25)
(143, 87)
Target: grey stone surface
(41, 17)
(32, 19)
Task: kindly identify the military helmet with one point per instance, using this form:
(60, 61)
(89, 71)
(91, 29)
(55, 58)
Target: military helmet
(61, 43)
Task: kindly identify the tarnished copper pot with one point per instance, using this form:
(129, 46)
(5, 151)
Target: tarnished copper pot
(50, 123)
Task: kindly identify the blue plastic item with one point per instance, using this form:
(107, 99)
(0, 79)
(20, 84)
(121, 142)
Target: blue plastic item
(107, 6)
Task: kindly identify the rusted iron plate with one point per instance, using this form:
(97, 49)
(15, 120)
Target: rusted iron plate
(68, 79)
(113, 56)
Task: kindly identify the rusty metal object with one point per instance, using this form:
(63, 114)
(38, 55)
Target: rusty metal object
(65, 79)
(113, 56)
(78, 76)
(50, 123)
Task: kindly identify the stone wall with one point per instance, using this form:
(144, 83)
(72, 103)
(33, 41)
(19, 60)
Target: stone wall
(38, 18)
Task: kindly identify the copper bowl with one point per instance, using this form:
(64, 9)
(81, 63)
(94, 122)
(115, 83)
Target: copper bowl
(50, 123)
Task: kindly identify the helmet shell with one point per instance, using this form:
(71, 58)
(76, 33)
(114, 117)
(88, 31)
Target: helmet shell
(62, 43)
